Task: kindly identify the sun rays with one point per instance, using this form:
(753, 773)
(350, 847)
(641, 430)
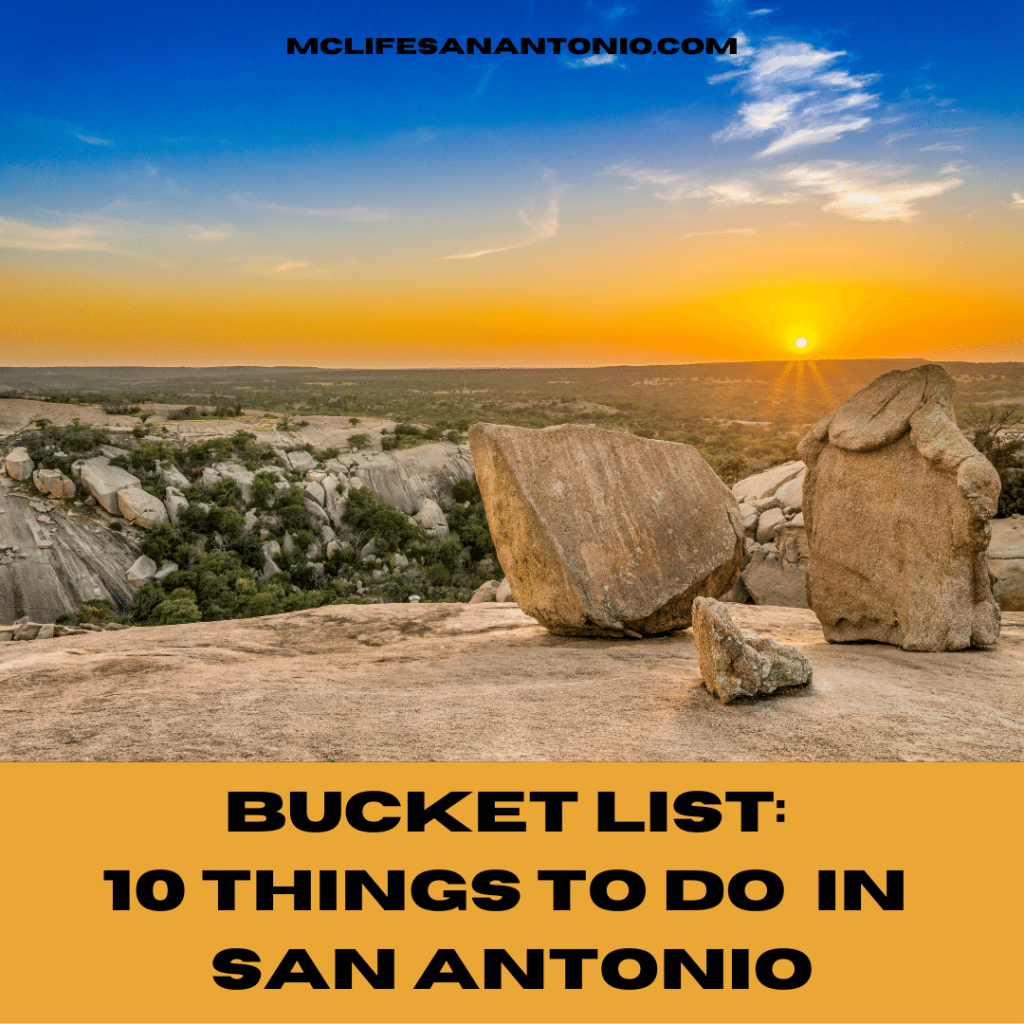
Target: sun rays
(789, 391)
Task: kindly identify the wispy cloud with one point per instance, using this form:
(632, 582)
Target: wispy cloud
(93, 141)
(283, 268)
(485, 78)
(942, 147)
(673, 187)
(798, 94)
(616, 12)
(82, 237)
(865, 191)
(360, 214)
(761, 11)
(725, 231)
(93, 233)
(1017, 200)
(217, 234)
(594, 61)
(860, 191)
(541, 219)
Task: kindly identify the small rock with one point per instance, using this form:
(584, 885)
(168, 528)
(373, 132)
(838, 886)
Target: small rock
(503, 595)
(46, 632)
(485, 592)
(45, 544)
(735, 662)
(28, 631)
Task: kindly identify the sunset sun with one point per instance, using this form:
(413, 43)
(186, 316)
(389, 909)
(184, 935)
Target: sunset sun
(801, 343)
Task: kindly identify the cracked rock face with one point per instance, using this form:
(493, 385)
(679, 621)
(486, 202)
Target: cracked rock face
(897, 506)
(736, 662)
(603, 533)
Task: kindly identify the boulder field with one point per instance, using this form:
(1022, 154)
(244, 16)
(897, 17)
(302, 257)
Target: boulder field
(486, 682)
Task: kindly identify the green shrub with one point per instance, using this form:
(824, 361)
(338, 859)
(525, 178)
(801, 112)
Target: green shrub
(438, 576)
(264, 488)
(159, 542)
(466, 490)
(359, 441)
(179, 607)
(376, 519)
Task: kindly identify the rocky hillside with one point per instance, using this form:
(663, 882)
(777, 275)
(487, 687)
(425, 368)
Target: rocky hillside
(163, 531)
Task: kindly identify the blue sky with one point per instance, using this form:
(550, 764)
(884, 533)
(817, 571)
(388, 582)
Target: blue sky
(182, 142)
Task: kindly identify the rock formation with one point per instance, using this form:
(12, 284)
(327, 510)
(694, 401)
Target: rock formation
(735, 662)
(406, 478)
(140, 507)
(432, 519)
(82, 562)
(54, 483)
(141, 571)
(103, 481)
(485, 592)
(775, 554)
(602, 533)
(897, 505)
(19, 464)
(1006, 562)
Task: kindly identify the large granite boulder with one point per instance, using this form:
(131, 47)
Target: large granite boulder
(737, 662)
(897, 505)
(1006, 563)
(141, 508)
(406, 478)
(335, 498)
(174, 503)
(300, 460)
(54, 483)
(141, 571)
(602, 533)
(237, 472)
(103, 481)
(767, 483)
(171, 475)
(19, 464)
(432, 519)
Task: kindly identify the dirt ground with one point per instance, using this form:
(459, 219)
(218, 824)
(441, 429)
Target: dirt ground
(486, 683)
